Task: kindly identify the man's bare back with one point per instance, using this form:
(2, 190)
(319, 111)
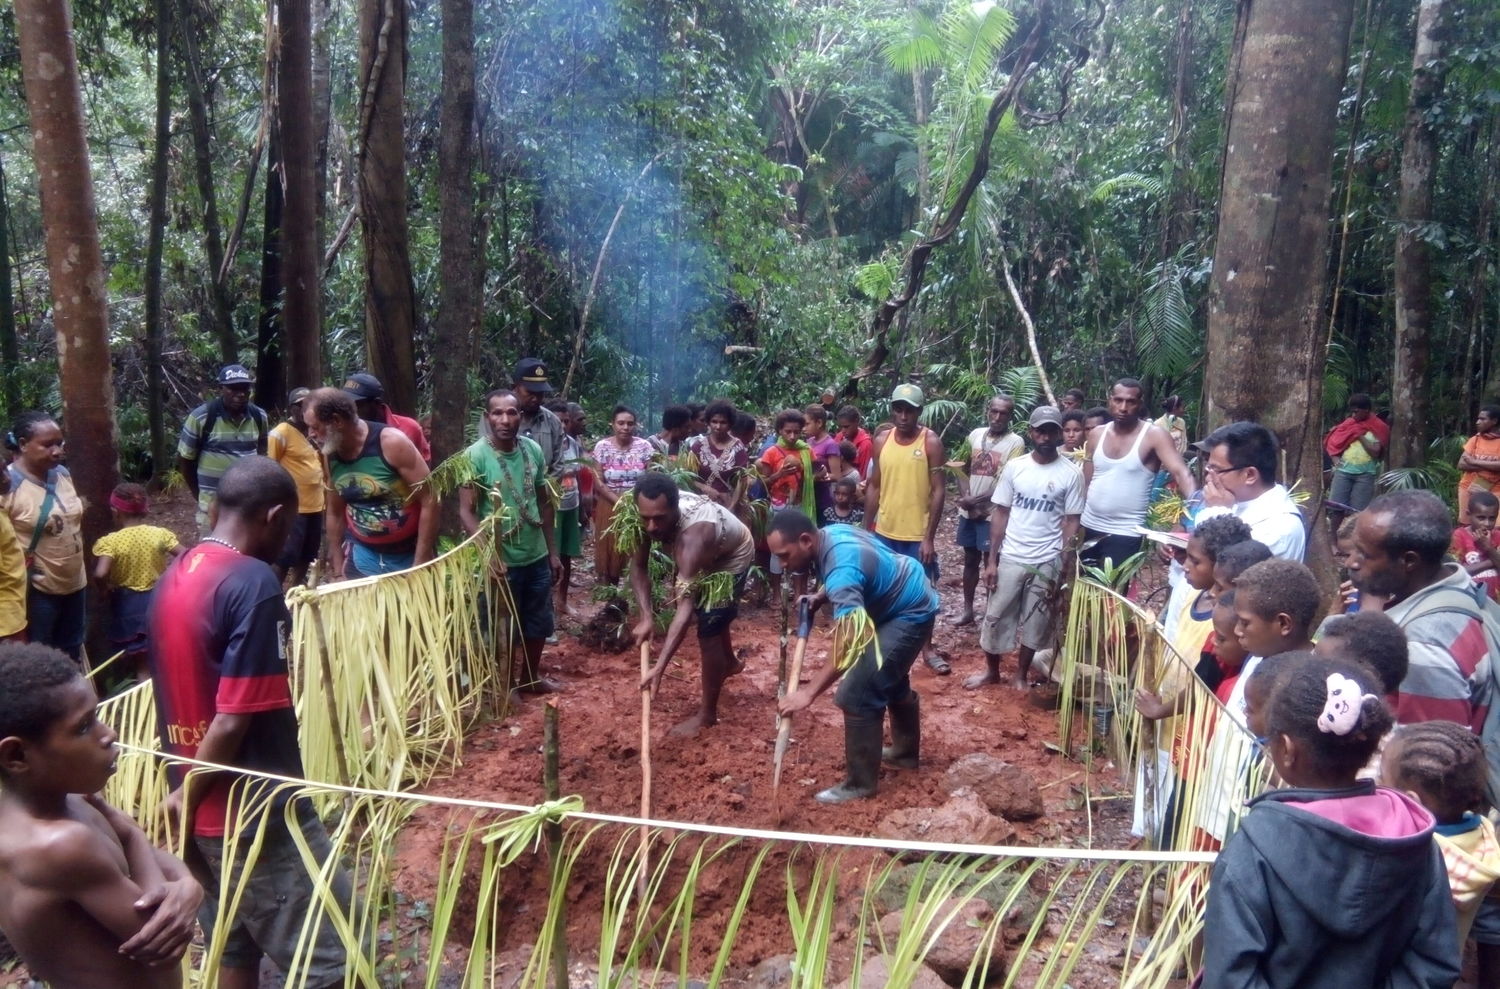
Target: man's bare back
(66, 900)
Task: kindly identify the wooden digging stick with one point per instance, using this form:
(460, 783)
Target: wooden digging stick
(784, 724)
(645, 769)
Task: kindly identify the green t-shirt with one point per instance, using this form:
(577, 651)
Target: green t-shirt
(519, 478)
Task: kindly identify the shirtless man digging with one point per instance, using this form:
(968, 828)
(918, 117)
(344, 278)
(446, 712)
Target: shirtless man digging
(703, 538)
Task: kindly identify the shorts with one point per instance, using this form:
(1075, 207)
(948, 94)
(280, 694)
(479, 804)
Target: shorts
(569, 533)
(1108, 547)
(531, 592)
(127, 620)
(715, 621)
(1354, 490)
(1021, 605)
(912, 548)
(279, 894)
(868, 689)
(365, 561)
(303, 542)
(974, 533)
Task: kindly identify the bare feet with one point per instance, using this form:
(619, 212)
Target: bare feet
(541, 685)
(736, 663)
(967, 618)
(1020, 682)
(692, 726)
(981, 680)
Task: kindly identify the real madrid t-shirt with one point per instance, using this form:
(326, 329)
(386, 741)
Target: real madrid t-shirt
(1038, 496)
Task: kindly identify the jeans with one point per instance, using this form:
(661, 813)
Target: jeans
(867, 689)
(56, 620)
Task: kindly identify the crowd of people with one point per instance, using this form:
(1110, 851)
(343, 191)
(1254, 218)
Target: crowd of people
(1373, 863)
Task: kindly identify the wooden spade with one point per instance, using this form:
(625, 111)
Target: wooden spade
(784, 724)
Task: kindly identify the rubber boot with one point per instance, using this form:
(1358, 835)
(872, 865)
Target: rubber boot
(862, 753)
(906, 733)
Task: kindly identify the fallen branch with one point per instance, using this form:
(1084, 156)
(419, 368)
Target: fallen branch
(345, 229)
(1036, 354)
(588, 298)
(916, 263)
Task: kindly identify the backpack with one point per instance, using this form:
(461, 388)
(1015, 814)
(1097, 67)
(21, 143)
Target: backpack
(1475, 603)
(215, 411)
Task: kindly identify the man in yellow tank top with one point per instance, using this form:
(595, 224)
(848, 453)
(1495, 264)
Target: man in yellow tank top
(905, 491)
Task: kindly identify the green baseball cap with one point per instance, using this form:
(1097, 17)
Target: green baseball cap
(910, 394)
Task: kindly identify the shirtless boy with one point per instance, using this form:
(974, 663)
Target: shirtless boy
(84, 898)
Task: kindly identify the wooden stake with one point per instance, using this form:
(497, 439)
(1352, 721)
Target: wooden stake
(553, 831)
(789, 682)
(645, 769)
(325, 669)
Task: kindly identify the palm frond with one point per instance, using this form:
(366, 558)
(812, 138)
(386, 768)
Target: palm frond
(917, 48)
(976, 33)
(1128, 182)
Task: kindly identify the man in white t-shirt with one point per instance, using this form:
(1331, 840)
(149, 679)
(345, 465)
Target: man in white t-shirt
(990, 449)
(1033, 532)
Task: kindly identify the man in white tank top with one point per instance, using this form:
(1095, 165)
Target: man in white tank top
(1119, 467)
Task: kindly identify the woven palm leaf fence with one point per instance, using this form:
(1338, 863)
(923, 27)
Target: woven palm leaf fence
(619, 912)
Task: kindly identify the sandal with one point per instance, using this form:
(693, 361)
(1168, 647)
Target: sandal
(938, 663)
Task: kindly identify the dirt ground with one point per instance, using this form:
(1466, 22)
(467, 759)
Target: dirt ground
(724, 776)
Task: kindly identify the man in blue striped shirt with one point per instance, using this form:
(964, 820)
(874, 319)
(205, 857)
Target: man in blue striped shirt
(860, 574)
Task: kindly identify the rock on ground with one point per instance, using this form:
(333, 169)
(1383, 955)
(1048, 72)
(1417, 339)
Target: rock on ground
(964, 818)
(1007, 790)
(961, 941)
(874, 974)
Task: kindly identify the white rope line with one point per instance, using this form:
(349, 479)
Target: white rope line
(559, 809)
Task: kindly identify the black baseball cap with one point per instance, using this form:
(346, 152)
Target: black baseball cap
(235, 374)
(364, 387)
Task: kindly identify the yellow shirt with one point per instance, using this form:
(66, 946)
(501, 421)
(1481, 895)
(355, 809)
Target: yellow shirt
(140, 554)
(287, 446)
(12, 580)
(905, 489)
(57, 567)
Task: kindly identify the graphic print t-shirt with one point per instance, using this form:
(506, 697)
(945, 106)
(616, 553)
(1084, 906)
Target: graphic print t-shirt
(988, 456)
(1038, 496)
(218, 633)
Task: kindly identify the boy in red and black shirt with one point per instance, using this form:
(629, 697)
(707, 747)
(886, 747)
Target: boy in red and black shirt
(218, 661)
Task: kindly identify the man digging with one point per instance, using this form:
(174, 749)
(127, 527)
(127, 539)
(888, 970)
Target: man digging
(712, 551)
(883, 610)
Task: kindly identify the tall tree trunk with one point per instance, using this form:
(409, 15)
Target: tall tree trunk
(459, 258)
(203, 162)
(301, 319)
(322, 110)
(49, 69)
(390, 304)
(270, 365)
(155, 235)
(1265, 353)
(10, 348)
(1413, 282)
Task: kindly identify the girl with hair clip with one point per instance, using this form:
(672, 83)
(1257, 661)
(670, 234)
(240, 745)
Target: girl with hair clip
(1333, 882)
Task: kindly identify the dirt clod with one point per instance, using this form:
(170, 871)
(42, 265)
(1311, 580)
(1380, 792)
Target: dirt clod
(1006, 789)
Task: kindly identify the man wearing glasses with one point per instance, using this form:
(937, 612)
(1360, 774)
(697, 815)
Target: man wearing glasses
(1241, 478)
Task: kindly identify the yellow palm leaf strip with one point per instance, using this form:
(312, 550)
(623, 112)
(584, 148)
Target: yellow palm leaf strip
(852, 634)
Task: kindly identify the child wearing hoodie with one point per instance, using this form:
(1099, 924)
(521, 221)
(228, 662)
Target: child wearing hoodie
(1441, 764)
(1332, 882)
